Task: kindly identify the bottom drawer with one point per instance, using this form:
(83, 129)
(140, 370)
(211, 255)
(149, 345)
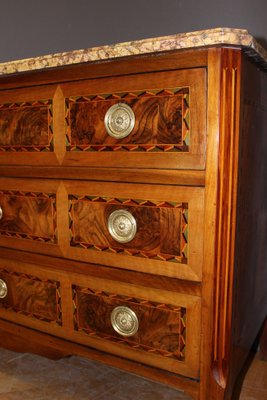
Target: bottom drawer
(152, 326)
(29, 299)
(156, 327)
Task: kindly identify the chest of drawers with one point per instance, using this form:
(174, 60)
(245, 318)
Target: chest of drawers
(133, 207)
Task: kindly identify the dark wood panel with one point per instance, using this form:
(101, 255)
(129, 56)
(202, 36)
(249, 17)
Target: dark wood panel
(25, 127)
(160, 232)
(161, 330)
(250, 284)
(160, 118)
(28, 215)
(31, 296)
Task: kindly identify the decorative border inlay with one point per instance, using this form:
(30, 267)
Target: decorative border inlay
(183, 258)
(180, 311)
(39, 195)
(31, 148)
(50, 282)
(120, 97)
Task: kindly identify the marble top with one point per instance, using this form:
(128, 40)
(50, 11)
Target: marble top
(211, 37)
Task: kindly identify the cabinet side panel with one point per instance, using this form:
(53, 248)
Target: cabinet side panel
(250, 307)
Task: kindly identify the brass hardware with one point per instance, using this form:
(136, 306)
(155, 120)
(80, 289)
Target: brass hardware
(124, 321)
(119, 120)
(3, 289)
(1, 213)
(122, 226)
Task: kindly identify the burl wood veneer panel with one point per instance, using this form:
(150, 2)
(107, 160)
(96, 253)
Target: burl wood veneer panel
(29, 215)
(31, 296)
(28, 126)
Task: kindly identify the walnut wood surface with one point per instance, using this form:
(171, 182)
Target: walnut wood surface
(31, 296)
(250, 276)
(162, 328)
(24, 126)
(155, 224)
(219, 176)
(159, 119)
(161, 211)
(27, 214)
(165, 134)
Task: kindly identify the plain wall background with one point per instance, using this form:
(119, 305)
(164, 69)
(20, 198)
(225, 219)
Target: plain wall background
(30, 28)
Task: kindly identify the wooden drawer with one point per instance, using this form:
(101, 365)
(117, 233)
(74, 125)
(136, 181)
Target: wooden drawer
(28, 126)
(155, 327)
(146, 120)
(168, 224)
(73, 218)
(29, 299)
(29, 215)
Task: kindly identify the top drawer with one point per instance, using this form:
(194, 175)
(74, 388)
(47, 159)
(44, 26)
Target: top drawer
(152, 120)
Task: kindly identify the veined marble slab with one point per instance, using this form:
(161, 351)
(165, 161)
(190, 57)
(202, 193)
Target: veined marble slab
(218, 36)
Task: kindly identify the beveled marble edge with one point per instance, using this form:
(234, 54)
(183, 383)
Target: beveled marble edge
(218, 36)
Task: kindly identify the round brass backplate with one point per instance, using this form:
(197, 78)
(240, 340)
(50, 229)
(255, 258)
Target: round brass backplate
(122, 226)
(119, 120)
(3, 289)
(124, 321)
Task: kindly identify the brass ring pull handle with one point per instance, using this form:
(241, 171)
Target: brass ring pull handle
(3, 289)
(124, 321)
(119, 120)
(122, 226)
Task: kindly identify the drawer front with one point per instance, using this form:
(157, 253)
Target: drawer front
(28, 125)
(34, 298)
(156, 229)
(28, 215)
(146, 120)
(151, 326)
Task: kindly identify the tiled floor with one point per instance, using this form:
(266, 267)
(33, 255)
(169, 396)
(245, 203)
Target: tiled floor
(30, 377)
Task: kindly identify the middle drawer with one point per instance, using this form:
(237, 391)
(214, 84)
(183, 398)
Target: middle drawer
(156, 229)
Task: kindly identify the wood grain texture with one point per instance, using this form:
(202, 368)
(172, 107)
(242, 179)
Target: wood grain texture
(170, 129)
(221, 212)
(175, 213)
(28, 215)
(226, 219)
(161, 121)
(144, 300)
(25, 127)
(250, 302)
(31, 296)
(155, 224)
(162, 327)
